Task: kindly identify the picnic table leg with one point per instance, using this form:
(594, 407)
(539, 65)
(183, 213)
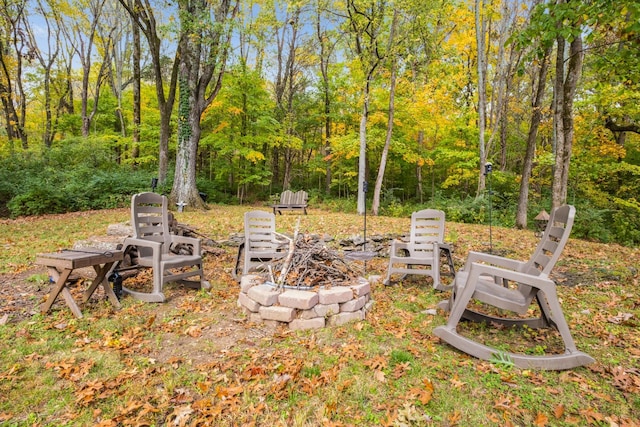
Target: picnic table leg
(101, 273)
(61, 286)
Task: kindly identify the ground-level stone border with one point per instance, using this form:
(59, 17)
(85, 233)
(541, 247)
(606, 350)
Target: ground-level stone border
(304, 309)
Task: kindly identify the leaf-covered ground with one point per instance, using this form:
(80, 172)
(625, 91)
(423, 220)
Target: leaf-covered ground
(195, 360)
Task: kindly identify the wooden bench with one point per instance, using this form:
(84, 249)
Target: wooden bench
(290, 201)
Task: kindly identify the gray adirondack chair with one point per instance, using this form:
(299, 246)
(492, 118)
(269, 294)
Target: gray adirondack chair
(154, 241)
(421, 254)
(261, 245)
(513, 286)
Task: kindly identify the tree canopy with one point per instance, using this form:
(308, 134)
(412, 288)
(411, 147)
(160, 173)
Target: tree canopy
(322, 96)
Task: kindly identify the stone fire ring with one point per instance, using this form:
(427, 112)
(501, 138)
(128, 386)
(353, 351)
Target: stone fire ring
(304, 309)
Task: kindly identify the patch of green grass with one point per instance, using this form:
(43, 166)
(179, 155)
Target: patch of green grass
(400, 356)
(311, 371)
(41, 278)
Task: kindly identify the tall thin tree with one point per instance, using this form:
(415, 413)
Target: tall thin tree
(375, 205)
(568, 71)
(536, 118)
(142, 14)
(481, 34)
(14, 48)
(365, 21)
(47, 58)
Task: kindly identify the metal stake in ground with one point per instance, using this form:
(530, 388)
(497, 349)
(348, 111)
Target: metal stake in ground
(363, 255)
(488, 167)
(365, 188)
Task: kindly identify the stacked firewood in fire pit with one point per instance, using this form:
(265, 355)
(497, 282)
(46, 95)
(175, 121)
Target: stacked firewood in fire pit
(310, 263)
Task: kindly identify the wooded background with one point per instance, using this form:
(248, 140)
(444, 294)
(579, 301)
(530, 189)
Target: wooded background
(242, 99)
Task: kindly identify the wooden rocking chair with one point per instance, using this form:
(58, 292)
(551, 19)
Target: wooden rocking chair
(153, 242)
(421, 254)
(513, 285)
(261, 244)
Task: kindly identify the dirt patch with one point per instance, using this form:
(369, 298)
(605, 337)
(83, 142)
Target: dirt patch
(217, 326)
(198, 345)
(21, 295)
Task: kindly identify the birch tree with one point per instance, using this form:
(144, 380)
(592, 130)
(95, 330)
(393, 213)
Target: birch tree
(375, 205)
(365, 22)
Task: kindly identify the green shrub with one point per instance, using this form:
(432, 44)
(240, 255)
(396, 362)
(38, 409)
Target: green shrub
(89, 173)
(592, 223)
(625, 224)
(56, 190)
(348, 204)
(37, 200)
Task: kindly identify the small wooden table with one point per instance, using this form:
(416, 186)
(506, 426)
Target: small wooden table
(61, 264)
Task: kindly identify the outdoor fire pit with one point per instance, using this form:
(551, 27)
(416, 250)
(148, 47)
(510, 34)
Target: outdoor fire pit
(311, 288)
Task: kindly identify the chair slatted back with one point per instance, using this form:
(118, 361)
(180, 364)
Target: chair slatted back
(150, 218)
(300, 198)
(427, 227)
(553, 241)
(286, 198)
(259, 228)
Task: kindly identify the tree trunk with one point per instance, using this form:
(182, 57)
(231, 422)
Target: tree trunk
(137, 116)
(558, 128)
(47, 137)
(286, 178)
(325, 55)
(375, 206)
(362, 158)
(53, 49)
(115, 82)
(364, 22)
(574, 71)
(84, 52)
(285, 88)
(184, 182)
(536, 117)
(11, 117)
(565, 88)
(419, 179)
(482, 92)
(66, 103)
(143, 16)
(11, 87)
(203, 54)
(327, 143)
(102, 75)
